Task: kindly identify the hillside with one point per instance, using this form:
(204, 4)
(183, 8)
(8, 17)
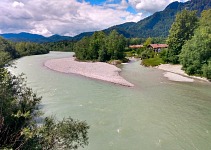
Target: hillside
(158, 24)
(28, 37)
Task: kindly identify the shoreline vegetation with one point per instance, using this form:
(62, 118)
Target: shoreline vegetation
(20, 127)
(188, 44)
(96, 70)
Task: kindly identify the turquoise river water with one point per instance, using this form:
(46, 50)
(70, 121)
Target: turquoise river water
(156, 114)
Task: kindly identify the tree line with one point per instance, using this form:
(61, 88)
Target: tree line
(189, 43)
(10, 50)
(64, 46)
(22, 125)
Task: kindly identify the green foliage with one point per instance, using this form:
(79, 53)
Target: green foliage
(97, 46)
(147, 42)
(64, 46)
(138, 41)
(206, 69)
(101, 47)
(4, 58)
(26, 48)
(158, 24)
(19, 110)
(196, 53)
(9, 50)
(65, 134)
(115, 45)
(152, 61)
(147, 53)
(164, 55)
(134, 41)
(181, 30)
(18, 127)
(81, 49)
(156, 40)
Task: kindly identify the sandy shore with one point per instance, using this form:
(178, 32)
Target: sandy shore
(175, 73)
(95, 70)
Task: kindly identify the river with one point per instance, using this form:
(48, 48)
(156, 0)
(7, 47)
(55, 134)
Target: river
(156, 114)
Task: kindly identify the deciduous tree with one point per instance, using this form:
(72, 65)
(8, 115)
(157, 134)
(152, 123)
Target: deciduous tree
(181, 30)
(196, 53)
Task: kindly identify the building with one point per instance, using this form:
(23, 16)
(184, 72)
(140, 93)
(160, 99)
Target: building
(157, 47)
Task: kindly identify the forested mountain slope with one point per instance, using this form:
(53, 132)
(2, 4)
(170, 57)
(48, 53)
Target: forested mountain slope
(28, 37)
(158, 24)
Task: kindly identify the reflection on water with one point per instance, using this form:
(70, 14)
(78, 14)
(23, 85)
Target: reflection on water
(155, 114)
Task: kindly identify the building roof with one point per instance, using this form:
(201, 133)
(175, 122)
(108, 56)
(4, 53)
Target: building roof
(136, 46)
(158, 46)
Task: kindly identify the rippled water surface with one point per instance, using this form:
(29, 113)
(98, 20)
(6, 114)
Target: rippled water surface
(156, 114)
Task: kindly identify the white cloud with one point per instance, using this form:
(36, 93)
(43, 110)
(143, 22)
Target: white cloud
(151, 6)
(65, 17)
(122, 5)
(17, 4)
(136, 18)
(68, 17)
(40, 29)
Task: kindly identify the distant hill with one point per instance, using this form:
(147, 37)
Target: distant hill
(80, 36)
(28, 37)
(23, 37)
(156, 25)
(57, 38)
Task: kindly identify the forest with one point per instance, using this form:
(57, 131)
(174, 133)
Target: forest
(10, 50)
(101, 47)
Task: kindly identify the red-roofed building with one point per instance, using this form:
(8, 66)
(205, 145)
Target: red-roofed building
(157, 47)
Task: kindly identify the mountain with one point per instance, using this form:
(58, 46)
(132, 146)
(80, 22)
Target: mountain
(23, 37)
(158, 24)
(57, 38)
(28, 37)
(80, 36)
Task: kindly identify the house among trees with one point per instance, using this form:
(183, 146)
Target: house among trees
(157, 47)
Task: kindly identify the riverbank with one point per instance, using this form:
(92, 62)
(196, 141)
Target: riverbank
(95, 70)
(175, 73)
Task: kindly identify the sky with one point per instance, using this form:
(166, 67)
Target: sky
(72, 17)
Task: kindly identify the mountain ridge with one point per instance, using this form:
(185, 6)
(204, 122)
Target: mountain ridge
(158, 24)
(28, 37)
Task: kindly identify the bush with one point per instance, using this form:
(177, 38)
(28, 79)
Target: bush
(147, 54)
(152, 61)
(207, 70)
(18, 126)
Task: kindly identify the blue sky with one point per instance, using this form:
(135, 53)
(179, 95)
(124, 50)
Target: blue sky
(72, 17)
(130, 8)
(96, 2)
